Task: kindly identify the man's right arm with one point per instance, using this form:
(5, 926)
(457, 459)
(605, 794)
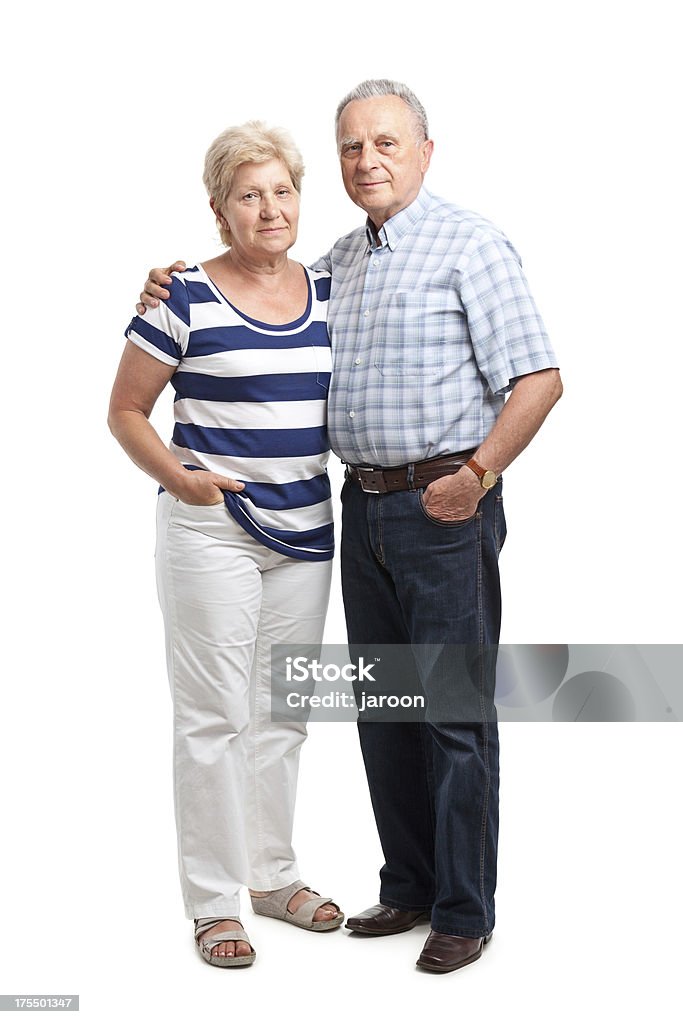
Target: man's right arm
(155, 286)
(324, 263)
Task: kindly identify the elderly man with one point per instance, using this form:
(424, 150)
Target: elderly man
(432, 324)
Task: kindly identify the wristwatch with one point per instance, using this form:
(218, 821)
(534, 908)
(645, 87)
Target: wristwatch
(487, 478)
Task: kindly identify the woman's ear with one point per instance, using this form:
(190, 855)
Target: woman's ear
(218, 215)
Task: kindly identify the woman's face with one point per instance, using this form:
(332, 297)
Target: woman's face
(262, 209)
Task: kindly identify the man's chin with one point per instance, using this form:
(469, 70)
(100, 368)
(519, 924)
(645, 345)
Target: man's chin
(370, 203)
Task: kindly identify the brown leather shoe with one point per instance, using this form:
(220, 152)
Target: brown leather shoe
(379, 920)
(444, 953)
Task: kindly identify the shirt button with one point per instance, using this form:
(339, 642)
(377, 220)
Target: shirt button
(376, 262)
(366, 313)
(357, 362)
(352, 414)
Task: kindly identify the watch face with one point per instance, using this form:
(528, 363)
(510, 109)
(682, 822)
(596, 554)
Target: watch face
(489, 479)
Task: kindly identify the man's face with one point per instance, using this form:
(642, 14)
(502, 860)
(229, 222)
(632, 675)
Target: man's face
(382, 161)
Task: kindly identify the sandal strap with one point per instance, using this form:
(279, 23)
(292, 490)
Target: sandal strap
(238, 935)
(304, 914)
(275, 903)
(203, 925)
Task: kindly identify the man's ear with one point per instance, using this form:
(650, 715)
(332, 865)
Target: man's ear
(427, 150)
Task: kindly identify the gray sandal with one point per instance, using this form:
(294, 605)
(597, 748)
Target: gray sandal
(275, 905)
(205, 946)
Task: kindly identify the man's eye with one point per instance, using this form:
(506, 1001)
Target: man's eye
(283, 192)
(386, 143)
(250, 195)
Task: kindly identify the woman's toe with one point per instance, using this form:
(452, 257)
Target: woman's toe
(325, 913)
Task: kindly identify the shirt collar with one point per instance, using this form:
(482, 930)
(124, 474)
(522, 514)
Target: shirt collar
(393, 230)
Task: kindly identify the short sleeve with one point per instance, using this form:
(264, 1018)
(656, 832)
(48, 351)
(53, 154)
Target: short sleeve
(323, 263)
(508, 335)
(164, 332)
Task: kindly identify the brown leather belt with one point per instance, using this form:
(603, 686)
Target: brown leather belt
(407, 478)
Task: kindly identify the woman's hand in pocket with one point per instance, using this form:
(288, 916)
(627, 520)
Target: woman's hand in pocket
(200, 487)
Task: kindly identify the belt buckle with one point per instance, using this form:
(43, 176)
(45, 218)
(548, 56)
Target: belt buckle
(364, 489)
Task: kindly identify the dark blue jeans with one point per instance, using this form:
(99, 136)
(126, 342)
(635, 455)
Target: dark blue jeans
(408, 579)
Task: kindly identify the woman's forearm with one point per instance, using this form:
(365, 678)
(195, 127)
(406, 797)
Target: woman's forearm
(139, 382)
(142, 444)
(140, 441)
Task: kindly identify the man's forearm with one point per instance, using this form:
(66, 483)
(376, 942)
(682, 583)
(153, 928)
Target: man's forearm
(532, 398)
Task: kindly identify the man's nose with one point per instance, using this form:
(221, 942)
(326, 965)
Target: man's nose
(367, 159)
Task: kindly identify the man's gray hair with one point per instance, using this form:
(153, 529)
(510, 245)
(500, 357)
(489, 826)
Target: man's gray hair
(386, 87)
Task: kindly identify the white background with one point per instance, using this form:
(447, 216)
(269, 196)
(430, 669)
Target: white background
(560, 122)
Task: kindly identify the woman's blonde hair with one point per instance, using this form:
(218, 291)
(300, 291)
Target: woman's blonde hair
(252, 142)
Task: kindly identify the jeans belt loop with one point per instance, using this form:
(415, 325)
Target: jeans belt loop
(410, 475)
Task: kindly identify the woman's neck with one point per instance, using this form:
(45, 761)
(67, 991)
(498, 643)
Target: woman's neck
(263, 273)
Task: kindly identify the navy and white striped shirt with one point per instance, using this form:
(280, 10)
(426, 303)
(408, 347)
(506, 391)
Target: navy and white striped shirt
(251, 404)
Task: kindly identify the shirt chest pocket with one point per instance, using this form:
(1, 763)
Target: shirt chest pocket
(414, 337)
(322, 358)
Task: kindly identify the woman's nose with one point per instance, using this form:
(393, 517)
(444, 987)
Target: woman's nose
(269, 208)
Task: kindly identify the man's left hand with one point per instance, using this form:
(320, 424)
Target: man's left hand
(455, 497)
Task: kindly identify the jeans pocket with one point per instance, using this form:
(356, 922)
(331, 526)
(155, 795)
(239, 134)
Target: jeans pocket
(446, 523)
(499, 524)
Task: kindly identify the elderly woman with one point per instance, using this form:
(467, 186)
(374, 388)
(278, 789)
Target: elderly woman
(244, 530)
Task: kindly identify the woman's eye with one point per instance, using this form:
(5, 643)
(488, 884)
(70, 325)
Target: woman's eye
(250, 195)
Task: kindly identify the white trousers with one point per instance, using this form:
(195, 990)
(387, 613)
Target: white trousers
(225, 599)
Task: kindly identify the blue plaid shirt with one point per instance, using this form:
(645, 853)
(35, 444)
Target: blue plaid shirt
(431, 322)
